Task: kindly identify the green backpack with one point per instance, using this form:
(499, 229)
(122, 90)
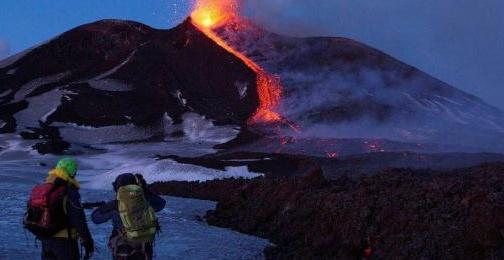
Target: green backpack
(137, 216)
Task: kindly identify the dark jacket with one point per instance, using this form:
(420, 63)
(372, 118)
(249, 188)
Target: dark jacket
(75, 213)
(110, 211)
(59, 246)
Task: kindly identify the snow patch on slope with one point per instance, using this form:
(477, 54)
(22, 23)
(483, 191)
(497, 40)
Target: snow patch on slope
(32, 85)
(74, 133)
(195, 127)
(39, 108)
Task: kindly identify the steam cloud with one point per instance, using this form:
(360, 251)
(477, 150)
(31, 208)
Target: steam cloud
(458, 41)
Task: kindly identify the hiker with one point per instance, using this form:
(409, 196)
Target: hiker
(133, 218)
(55, 215)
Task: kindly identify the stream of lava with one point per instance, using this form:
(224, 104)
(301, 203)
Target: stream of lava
(210, 14)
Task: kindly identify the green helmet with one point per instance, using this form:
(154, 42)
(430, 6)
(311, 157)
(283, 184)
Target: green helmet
(69, 165)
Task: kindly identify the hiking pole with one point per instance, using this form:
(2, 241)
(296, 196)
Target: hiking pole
(92, 205)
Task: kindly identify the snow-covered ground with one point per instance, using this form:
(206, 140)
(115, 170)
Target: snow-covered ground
(103, 154)
(183, 237)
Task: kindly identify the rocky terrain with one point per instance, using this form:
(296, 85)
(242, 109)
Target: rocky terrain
(395, 214)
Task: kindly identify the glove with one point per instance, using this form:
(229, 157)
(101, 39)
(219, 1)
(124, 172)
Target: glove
(141, 181)
(88, 248)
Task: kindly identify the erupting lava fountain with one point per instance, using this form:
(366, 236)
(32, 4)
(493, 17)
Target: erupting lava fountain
(209, 15)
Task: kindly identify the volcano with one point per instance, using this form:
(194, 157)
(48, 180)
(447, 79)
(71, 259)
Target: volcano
(111, 75)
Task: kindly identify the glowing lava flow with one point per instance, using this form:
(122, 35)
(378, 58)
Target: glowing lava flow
(208, 15)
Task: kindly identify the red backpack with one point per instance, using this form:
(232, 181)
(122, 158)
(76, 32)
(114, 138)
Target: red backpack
(45, 215)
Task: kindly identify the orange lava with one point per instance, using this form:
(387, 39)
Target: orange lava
(210, 14)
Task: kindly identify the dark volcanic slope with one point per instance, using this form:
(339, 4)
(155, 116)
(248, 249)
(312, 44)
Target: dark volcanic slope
(117, 72)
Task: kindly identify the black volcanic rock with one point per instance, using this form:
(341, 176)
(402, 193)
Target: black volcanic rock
(358, 205)
(52, 147)
(397, 214)
(50, 141)
(210, 190)
(44, 131)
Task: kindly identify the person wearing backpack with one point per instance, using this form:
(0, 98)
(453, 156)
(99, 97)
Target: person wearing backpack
(55, 215)
(133, 217)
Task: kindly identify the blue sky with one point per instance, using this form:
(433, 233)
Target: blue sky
(24, 23)
(458, 41)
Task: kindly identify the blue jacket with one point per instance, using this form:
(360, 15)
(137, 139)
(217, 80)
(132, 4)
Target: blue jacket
(110, 210)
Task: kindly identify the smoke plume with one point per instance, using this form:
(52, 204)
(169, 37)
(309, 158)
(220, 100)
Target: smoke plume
(459, 41)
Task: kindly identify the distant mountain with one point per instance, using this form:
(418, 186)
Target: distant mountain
(112, 73)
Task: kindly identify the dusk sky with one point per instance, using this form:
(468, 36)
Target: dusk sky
(458, 41)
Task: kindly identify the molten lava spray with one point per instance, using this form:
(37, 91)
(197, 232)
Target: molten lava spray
(210, 14)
